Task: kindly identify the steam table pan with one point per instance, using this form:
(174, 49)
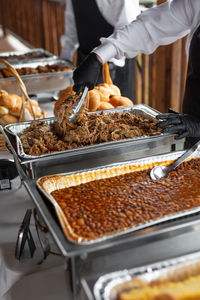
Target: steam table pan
(94, 155)
(110, 285)
(35, 54)
(48, 184)
(41, 82)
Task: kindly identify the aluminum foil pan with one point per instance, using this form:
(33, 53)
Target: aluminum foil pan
(41, 82)
(110, 286)
(18, 128)
(35, 64)
(16, 57)
(48, 184)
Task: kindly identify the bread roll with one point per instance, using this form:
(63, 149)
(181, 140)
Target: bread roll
(93, 100)
(3, 111)
(10, 101)
(120, 101)
(104, 91)
(2, 92)
(39, 113)
(7, 119)
(10, 108)
(105, 105)
(16, 109)
(43, 114)
(114, 90)
(34, 103)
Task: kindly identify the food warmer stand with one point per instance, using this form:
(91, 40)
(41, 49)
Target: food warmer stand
(131, 249)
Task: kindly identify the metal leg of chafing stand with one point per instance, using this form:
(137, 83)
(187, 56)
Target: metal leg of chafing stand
(74, 272)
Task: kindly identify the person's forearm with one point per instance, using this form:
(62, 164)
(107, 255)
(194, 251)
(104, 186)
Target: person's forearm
(161, 25)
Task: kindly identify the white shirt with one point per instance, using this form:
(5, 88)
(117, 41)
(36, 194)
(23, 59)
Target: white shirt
(161, 25)
(116, 12)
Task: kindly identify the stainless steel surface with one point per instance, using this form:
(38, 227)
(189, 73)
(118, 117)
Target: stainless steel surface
(178, 222)
(91, 156)
(109, 286)
(41, 82)
(16, 129)
(161, 171)
(9, 56)
(78, 105)
(133, 239)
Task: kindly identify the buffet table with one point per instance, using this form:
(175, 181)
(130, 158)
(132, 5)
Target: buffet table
(50, 279)
(71, 269)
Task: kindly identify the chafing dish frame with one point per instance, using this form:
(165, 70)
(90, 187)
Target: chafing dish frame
(104, 288)
(76, 255)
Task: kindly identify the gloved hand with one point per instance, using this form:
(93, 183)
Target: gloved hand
(87, 73)
(182, 124)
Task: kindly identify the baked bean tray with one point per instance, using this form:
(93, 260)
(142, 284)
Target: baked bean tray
(115, 285)
(102, 203)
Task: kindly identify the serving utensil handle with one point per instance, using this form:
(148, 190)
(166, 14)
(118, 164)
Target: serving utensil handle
(187, 154)
(78, 105)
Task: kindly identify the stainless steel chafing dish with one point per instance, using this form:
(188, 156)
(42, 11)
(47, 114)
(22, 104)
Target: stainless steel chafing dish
(109, 286)
(75, 248)
(36, 54)
(41, 82)
(48, 184)
(134, 248)
(94, 155)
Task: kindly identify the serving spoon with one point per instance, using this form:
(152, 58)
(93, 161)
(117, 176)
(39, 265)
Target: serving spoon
(161, 171)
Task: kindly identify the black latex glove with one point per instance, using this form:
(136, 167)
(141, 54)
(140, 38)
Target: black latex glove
(181, 124)
(87, 73)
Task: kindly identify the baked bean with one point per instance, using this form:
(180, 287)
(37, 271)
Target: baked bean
(107, 206)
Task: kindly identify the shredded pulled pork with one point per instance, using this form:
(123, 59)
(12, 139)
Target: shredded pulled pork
(87, 129)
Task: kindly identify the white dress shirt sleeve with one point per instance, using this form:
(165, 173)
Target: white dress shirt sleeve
(116, 12)
(156, 26)
(69, 41)
(119, 13)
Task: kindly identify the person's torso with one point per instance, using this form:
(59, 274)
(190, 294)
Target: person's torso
(191, 101)
(90, 23)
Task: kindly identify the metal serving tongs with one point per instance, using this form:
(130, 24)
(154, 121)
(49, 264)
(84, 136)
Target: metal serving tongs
(78, 105)
(161, 171)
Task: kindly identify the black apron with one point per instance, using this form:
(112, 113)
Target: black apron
(191, 100)
(91, 26)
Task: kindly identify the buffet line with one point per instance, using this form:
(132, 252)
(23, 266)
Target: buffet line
(90, 180)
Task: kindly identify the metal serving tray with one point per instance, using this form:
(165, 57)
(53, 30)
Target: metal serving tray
(40, 55)
(50, 183)
(17, 128)
(110, 285)
(94, 155)
(171, 227)
(41, 82)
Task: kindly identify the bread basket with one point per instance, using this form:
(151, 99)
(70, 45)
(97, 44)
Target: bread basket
(25, 99)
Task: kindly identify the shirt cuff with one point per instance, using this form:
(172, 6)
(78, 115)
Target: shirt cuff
(64, 54)
(106, 52)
